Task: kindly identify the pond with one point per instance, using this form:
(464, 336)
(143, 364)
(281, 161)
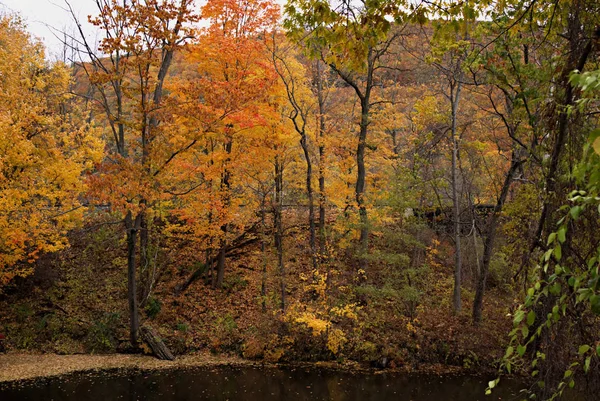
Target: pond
(256, 384)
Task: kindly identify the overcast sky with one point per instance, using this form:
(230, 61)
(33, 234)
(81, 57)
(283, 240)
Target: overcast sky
(46, 18)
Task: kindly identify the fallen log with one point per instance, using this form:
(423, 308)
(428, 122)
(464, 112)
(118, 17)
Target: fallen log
(156, 344)
(179, 288)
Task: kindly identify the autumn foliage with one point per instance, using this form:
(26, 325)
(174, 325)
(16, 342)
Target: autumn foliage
(47, 148)
(346, 180)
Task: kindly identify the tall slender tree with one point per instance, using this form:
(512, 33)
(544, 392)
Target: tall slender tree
(353, 40)
(128, 72)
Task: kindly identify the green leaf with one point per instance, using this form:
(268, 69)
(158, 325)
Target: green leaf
(530, 318)
(519, 315)
(562, 234)
(586, 365)
(558, 252)
(576, 210)
(509, 351)
(568, 373)
(596, 145)
(551, 238)
(521, 349)
(525, 332)
(583, 349)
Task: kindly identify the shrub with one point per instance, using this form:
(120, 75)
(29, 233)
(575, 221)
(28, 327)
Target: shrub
(500, 272)
(102, 334)
(411, 298)
(153, 307)
(183, 327)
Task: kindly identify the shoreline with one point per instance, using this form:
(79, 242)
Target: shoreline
(19, 367)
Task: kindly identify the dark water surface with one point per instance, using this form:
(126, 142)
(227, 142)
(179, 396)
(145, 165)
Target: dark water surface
(256, 384)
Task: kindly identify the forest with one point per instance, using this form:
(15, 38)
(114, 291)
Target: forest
(394, 184)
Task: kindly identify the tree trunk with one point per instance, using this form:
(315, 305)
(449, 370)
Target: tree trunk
(566, 133)
(311, 203)
(321, 122)
(577, 59)
(360, 183)
(225, 186)
(365, 107)
(455, 98)
(237, 244)
(221, 262)
(263, 250)
(490, 238)
(145, 276)
(279, 227)
(132, 227)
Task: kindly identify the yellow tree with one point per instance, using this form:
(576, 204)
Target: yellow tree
(43, 154)
(353, 38)
(302, 112)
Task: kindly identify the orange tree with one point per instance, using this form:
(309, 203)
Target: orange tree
(226, 101)
(139, 41)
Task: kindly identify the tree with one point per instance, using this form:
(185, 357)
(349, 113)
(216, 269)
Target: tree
(450, 49)
(558, 320)
(301, 110)
(514, 91)
(44, 155)
(569, 285)
(136, 53)
(352, 40)
(225, 106)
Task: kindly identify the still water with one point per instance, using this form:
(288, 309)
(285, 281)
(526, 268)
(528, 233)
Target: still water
(256, 384)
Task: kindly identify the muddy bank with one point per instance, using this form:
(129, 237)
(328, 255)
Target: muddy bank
(25, 366)
(16, 366)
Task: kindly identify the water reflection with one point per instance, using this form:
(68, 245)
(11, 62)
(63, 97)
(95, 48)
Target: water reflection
(255, 384)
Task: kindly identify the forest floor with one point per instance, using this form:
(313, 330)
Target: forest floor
(71, 314)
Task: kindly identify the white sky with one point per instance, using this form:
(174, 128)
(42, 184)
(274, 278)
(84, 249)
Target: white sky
(47, 18)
